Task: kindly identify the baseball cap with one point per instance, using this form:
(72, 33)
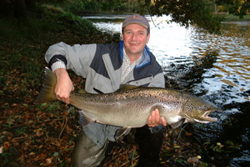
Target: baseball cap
(136, 19)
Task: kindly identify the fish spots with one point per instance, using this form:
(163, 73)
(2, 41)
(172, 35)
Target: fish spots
(160, 100)
(147, 95)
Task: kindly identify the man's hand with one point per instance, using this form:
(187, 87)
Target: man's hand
(63, 86)
(155, 120)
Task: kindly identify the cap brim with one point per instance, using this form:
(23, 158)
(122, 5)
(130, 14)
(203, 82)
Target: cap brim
(134, 22)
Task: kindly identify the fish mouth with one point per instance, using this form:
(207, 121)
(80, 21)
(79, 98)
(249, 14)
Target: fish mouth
(205, 118)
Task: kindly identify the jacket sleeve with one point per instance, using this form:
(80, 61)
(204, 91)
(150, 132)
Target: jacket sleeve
(76, 57)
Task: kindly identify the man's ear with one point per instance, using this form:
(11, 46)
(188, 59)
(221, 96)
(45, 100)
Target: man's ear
(148, 37)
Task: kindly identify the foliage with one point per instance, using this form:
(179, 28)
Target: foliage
(187, 12)
(236, 7)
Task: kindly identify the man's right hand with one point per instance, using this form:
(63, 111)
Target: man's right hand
(63, 86)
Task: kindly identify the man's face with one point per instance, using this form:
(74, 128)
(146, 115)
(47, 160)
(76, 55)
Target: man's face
(135, 37)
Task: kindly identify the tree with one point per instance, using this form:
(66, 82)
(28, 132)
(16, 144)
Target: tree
(236, 7)
(18, 8)
(186, 12)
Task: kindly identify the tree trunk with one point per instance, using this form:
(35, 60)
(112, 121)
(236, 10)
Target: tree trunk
(215, 8)
(20, 8)
(30, 4)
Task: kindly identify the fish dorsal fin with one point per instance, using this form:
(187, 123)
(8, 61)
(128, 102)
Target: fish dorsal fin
(124, 87)
(84, 119)
(121, 132)
(177, 124)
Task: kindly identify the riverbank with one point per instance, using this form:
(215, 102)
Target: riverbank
(230, 17)
(225, 17)
(37, 135)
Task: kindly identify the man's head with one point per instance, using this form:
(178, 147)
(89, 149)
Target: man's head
(136, 19)
(135, 35)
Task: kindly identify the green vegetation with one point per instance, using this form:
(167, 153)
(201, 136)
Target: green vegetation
(231, 17)
(184, 12)
(239, 8)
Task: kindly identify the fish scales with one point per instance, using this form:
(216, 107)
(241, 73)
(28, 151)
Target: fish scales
(140, 102)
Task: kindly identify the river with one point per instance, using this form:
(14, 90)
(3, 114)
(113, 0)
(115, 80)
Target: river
(215, 67)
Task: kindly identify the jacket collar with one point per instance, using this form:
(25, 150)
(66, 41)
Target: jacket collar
(145, 59)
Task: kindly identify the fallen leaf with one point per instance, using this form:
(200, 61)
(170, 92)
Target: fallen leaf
(6, 145)
(188, 134)
(32, 153)
(49, 160)
(39, 133)
(10, 121)
(1, 150)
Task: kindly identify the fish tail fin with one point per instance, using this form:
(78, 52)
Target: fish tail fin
(84, 119)
(47, 93)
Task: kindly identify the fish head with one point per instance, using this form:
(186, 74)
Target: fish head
(198, 110)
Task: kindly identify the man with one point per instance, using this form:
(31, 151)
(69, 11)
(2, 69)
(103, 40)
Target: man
(105, 68)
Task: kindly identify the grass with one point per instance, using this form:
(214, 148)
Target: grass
(230, 17)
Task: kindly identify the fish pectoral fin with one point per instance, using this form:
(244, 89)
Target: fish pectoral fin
(84, 119)
(122, 132)
(177, 124)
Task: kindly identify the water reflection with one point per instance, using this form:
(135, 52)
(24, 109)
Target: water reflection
(216, 67)
(232, 66)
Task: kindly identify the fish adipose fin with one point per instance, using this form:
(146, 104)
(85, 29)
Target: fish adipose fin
(47, 93)
(84, 119)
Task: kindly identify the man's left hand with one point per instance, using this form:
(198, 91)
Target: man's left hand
(155, 119)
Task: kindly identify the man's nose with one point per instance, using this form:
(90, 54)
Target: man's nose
(134, 36)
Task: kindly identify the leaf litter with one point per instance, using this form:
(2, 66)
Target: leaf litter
(37, 136)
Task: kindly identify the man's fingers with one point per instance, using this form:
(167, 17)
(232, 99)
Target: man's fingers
(163, 121)
(157, 116)
(155, 119)
(63, 99)
(152, 118)
(150, 124)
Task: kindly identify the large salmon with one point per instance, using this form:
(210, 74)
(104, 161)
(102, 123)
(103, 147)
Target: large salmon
(130, 108)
